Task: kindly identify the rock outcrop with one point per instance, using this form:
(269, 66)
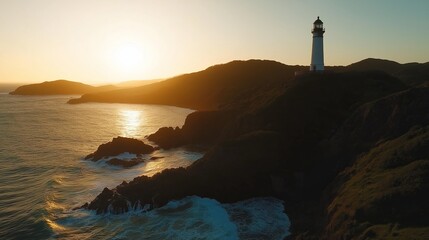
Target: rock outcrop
(200, 128)
(120, 145)
(234, 170)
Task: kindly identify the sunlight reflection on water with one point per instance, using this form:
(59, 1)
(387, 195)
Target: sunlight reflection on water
(130, 121)
(43, 142)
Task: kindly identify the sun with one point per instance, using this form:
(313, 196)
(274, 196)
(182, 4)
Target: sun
(129, 58)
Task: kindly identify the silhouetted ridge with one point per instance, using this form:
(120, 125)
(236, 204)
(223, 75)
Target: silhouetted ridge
(412, 74)
(375, 64)
(59, 87)
(228, 85)
(238, 84)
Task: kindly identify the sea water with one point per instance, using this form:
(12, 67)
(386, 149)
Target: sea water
(43, 177)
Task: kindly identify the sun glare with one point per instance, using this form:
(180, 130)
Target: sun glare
(130, 58)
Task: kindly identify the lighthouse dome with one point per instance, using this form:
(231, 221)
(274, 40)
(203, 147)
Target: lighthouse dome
(318, 21)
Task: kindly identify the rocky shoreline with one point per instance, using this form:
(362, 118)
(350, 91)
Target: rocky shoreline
(345, 151)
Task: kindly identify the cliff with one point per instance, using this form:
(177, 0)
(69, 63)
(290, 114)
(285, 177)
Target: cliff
(347, 152)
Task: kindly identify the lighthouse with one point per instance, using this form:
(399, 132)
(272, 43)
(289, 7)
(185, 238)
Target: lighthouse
(317, 63)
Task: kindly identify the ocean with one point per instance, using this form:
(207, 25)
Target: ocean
(43, 176)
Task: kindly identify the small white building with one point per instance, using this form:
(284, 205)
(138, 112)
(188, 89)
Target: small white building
(317, 62)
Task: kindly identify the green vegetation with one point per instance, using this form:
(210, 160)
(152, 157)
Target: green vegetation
(385, 193)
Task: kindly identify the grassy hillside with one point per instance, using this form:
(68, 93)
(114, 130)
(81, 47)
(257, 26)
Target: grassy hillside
(240, 83)
(221, 86)
(384, 194)
(413, 74)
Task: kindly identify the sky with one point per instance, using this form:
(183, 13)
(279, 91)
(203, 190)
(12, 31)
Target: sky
(97, 42)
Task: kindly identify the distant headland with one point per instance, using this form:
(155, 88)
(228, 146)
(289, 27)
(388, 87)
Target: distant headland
(66, 87)
(59, 87)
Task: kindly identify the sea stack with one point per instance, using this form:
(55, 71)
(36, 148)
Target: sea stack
(317, 63)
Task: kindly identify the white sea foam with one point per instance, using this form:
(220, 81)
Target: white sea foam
(189, 218)
(110, 176)
(259, 218)
(125, 156)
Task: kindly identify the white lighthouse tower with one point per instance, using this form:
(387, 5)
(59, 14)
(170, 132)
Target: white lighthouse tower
(317, 63)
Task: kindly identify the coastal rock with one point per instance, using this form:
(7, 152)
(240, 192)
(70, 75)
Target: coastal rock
(168, 137)
(233, 171)
(109, 201)
(200, 128)
(120, 145)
